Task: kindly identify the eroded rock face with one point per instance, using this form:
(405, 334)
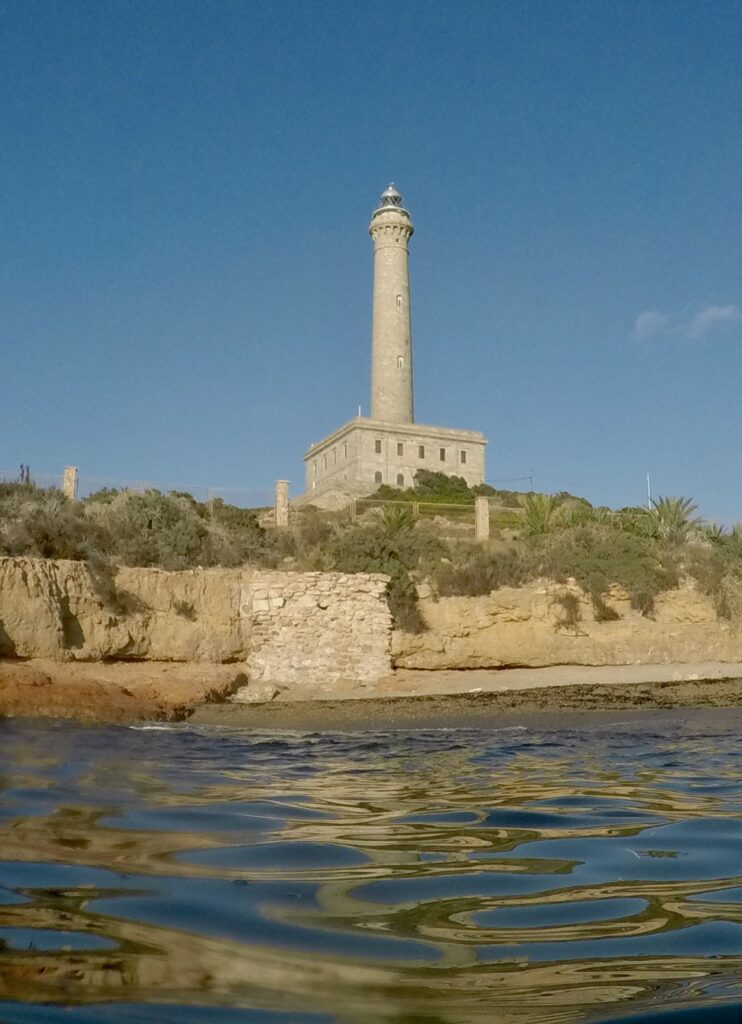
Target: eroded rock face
(320, 633)
(57, 609)
(120, 692)
(525, 626)
(297, 629)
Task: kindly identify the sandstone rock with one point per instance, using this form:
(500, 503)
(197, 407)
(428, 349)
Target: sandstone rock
(251, 694)
(300, 629)
(118, 692)
(521, 627)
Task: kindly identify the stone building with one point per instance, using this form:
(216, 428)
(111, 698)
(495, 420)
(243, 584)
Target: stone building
(389, 447)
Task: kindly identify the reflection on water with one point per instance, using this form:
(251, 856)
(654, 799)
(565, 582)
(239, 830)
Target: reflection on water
(520, 875)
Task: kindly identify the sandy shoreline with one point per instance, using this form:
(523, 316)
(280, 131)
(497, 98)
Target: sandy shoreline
(150, 691)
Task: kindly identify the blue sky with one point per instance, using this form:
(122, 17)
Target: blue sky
(185, 273)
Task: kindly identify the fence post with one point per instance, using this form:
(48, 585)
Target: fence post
(69, 483)
(481, 518)
(282, 503)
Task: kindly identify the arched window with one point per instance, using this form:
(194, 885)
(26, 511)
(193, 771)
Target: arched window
(400, 362)
(400, 479)
(377, 477)
(399, 302)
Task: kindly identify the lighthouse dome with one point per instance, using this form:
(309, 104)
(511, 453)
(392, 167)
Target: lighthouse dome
(391, 197)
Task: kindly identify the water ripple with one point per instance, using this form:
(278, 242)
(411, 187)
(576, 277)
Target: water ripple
(452, 876)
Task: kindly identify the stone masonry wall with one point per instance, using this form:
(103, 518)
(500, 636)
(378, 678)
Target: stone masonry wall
(312, 630)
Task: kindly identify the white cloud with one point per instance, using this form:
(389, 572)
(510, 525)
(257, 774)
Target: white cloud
(649, 324)
(711, 317)
(653, 324)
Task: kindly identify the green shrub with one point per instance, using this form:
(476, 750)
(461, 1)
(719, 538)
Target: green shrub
(371, 549)
(717, 570)
(603, 612)
(482, 572)
(539, 514)
(44, 524)
(598, 557)
(185, 609)
(430, 487)
(571, 613)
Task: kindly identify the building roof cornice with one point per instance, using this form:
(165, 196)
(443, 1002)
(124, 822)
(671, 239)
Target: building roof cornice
(398, 429)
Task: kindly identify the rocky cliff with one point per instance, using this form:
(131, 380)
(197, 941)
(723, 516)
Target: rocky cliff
(527, 626)
(316, 632)
(309, 630)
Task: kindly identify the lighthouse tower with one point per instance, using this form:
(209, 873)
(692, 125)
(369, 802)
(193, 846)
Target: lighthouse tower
(391, 332)
(388, 447)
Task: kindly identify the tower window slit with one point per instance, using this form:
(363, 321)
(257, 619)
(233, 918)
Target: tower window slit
(377, 477)
(400, 362)
(377, 447)
(463, 457)
(443, 454)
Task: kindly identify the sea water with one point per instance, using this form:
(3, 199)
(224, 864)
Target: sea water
(538, 874)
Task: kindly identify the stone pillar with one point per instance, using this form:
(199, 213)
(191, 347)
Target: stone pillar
(391, 338)
(481, 518)
(69, 482)
(282, 503)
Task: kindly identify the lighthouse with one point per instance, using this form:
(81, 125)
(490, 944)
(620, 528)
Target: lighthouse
(389, 447)
(391, 328)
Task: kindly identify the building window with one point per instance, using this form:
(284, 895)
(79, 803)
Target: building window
(400, 448)
(314, 470)
(400, 362)
(421, 451)
(399, 302)
(335, 457)
(377, 477)
(324, 462)
(463, 458)
(400, 479)
(443, 454)
(345, 451)
(377, 447)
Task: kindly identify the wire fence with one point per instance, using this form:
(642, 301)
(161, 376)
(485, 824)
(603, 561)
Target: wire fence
(87, 485)
(455, 520)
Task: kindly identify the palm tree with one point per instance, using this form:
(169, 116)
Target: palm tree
(396, 518)
(714, 533)
(637, 520)
(539, 514)
(674, 517)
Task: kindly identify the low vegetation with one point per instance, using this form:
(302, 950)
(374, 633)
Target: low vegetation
(563, 538)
